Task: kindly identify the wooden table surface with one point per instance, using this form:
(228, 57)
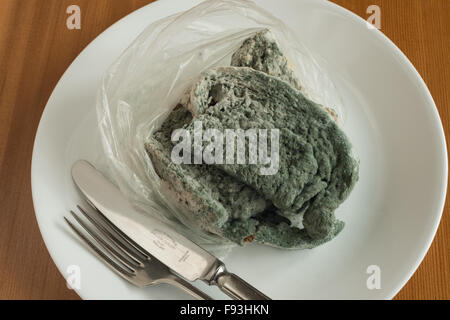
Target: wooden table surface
(36, 47)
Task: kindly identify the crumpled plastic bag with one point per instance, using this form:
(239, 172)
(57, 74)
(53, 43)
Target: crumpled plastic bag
(148, 80)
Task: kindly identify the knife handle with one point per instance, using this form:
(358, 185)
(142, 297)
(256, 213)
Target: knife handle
(237, 288)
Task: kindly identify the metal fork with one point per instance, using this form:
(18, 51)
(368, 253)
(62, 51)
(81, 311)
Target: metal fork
(125, 257)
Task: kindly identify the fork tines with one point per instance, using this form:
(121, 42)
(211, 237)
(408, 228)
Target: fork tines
(119, 252)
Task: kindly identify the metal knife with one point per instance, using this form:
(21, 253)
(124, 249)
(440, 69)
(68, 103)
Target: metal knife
(173, 249)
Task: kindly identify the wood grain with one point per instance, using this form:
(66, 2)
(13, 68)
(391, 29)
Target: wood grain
(36, 48)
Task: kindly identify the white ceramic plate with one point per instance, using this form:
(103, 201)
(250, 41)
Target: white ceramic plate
(391, 217)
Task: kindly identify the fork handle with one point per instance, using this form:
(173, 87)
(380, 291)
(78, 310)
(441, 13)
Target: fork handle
(187, 287)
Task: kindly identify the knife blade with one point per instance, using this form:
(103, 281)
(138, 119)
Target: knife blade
(156, 237)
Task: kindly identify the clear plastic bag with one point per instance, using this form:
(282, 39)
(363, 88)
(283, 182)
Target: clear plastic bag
(148, 80)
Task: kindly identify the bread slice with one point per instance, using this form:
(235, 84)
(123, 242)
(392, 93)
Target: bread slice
(219, 203)
(317, 168)
(262, 52)
(209, 195)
